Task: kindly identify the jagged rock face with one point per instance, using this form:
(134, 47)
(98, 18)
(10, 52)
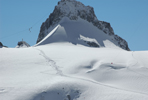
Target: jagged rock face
(1, 44)
(122, 43)
(22, 44)
(92, 44)
(73, 10)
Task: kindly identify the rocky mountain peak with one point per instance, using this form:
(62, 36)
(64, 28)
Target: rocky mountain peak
(74, 10)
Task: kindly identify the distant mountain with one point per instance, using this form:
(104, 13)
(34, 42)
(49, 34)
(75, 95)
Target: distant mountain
(71, 21)
(1, 45)
(22, 44)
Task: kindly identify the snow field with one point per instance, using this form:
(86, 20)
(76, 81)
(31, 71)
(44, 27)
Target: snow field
(63, 71)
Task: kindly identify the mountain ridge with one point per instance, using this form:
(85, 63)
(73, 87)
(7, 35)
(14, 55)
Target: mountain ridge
(74, 10)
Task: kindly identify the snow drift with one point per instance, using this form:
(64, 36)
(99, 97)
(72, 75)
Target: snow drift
(63, 71)
(78, 32)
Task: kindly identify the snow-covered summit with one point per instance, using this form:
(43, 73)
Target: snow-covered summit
(76, 11)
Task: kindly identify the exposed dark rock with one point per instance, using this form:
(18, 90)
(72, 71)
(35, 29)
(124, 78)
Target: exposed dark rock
(92, 44)
(22, 44)
(1, 44)
(77, 10)
(68, 96)
(121, 42)
(87, 14)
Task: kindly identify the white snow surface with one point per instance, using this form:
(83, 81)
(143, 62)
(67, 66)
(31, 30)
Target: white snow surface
(78, 32)
(64, 71)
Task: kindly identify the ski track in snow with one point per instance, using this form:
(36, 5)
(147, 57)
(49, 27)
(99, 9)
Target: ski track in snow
(109, 86)
(128, 67)
(53, 63)
(59, 72)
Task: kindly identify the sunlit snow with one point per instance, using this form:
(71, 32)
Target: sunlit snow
(64, 71)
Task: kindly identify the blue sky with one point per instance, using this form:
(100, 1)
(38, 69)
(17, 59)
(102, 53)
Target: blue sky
(129, 19)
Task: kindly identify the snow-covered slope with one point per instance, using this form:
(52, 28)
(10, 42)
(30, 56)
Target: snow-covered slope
(63, 71)
(79, 32)
(76, 23)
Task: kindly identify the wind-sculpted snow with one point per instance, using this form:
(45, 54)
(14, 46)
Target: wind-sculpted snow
(75, 11)
(63, 71)
(78, 32)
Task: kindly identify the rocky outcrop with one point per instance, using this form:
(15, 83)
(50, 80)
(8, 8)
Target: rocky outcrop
(1, 45)
(22, 44)
(121, 42)
(74, 10)
(92, 44)
(77, 9)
